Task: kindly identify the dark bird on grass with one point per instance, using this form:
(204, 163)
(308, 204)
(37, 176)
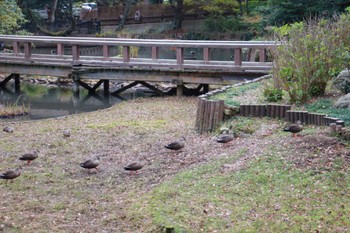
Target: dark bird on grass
(66, 133)
(294, 128)
(137, 165)
(91, 163)
(176, 145)
(8, 129)
(29, 157)
(225, 137)
(134, 167)
(11, 174)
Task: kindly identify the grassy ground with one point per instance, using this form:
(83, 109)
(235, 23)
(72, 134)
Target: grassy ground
(265, 181)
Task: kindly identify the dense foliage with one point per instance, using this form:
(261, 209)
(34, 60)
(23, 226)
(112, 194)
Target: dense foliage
(10, 16)
(309, 56)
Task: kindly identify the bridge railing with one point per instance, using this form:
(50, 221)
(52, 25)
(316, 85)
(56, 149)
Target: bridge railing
(22, 51)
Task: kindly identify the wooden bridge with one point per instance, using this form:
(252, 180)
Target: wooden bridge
(68, 60)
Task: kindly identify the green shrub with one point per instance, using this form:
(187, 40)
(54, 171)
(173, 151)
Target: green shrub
(308, 56)
(272, 94)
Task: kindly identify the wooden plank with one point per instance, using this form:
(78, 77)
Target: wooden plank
(211, 115)
(206, 117)
(198, 113)
(75, 52)
(27, 50)
(216, 120)
(16, 47)
(155, 53)
(201, 116)
(105, 51)
(179, 56)
(206, 55)
(238, 56)
(126, 54)
(60, 49)
(262, 54)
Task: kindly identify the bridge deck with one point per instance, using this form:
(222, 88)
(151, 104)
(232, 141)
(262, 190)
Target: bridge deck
(67, 59)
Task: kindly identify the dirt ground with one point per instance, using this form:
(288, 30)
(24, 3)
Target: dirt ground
(55, 194)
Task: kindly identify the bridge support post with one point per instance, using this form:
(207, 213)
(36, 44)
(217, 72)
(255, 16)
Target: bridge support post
(17, 83)
(16, 78)
(106, 88)
(75, 86)
(206, 88)
(179, 90)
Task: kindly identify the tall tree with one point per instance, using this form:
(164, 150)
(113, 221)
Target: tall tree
(127, 6)
(178, 13)
(281, 12)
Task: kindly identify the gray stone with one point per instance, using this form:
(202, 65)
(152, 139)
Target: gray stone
(343, 102)
(342, 81)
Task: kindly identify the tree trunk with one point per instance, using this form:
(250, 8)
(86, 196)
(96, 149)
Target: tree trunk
(178, 14)
(52, 11)
(246, 7)
(240, 6)
(128, 4)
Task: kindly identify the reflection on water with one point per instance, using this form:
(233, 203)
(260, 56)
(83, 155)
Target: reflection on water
(56, 101)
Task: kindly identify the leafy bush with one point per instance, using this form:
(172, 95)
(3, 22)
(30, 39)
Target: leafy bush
(272, 94)
(308, 56)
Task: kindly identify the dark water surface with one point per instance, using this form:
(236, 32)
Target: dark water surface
(55, 101)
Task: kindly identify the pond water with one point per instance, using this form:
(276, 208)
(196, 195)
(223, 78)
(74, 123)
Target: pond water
(46, 101)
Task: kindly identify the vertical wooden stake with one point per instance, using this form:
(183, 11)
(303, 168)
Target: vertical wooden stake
(180, 56)
(206, 55)
(105, 51)
(238, 56)
(155, 53)
(126, 54)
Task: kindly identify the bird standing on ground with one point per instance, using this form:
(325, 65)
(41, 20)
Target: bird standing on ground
(225, 137)
(176, 145)
(137, 165)
(91, 163)
(11, 174)
(66, 133)
(294, 128)
(134, 167)
(29, 157)
(8, 129)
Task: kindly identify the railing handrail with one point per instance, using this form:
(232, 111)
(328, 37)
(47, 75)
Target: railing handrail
(23, 52)
(137, 42)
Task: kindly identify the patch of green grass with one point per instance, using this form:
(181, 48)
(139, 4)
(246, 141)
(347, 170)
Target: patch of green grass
(269, 196)
(229, 94)
(325, 106)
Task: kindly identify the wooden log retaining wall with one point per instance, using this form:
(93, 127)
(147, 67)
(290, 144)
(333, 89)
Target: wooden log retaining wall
(208, 119)
(210, 113)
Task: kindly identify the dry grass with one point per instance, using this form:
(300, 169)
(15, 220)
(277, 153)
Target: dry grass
(55, 195)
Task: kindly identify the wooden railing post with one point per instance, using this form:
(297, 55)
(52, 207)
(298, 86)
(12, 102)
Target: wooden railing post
(180, 55)
(155, 52)
(75, 52)
(238, 56)
(27, 50)
(206, 55)
(105, 51)
(262, 54)
(126, 54)
(60, 49)
(16, 47)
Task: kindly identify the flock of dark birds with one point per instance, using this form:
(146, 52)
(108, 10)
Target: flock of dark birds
(135, 166)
